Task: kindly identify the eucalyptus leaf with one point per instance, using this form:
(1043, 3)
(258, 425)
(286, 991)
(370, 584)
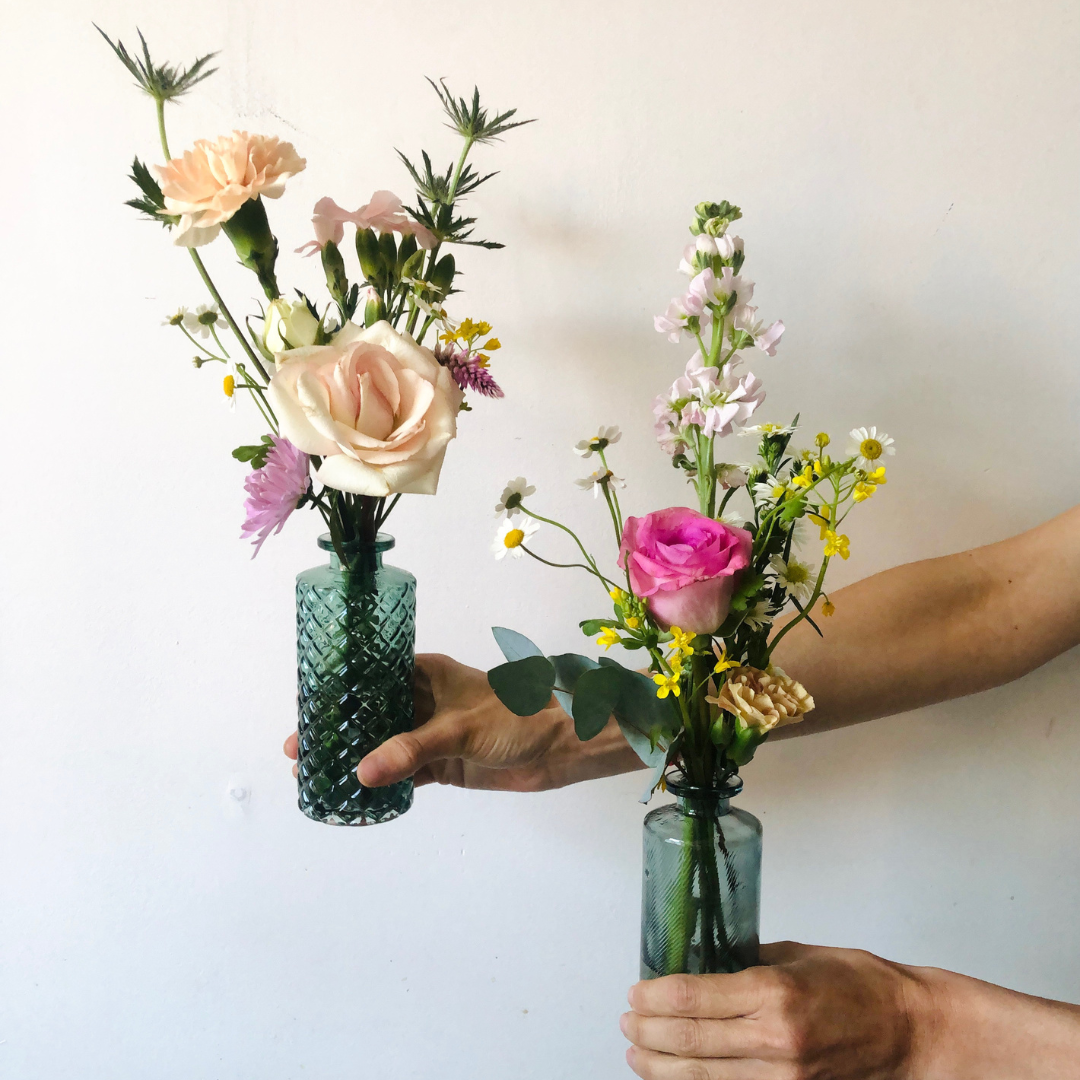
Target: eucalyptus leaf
(569, 667)
(638, 707)
(523, 686)
(514, 646)
(595, 695)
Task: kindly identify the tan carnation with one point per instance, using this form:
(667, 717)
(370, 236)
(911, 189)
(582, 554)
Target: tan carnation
(763, 700)
(213, 180)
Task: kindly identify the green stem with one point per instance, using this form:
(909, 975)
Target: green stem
(570, 532)
(681, 906)
(561, 565)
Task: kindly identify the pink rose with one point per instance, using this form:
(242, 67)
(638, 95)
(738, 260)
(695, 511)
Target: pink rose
(684, 564)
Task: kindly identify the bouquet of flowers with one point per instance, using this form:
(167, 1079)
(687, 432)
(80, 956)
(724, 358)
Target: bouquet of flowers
(357, 410)
(698, 593)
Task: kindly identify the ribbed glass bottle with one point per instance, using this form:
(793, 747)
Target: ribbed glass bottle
(355, 635)
(701, 884)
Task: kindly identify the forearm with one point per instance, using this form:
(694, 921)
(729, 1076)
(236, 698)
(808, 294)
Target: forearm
(940, 629)
(971, 1030)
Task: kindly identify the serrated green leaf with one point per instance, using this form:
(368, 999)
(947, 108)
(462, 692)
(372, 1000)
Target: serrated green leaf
(514, 646)
(748, 587)
(595, 695)
(256, 455)
(523, 686)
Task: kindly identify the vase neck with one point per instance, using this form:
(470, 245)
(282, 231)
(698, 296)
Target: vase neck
(703, 801)
(362, 555)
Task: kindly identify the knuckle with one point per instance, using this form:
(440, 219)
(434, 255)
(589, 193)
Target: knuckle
(694, 1070)
(688, 1038)
(681, 993)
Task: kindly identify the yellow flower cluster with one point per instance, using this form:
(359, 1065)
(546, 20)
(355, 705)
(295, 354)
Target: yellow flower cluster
(467, 333)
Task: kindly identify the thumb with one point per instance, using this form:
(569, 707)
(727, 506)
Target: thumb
(784, 952)
(398, 758)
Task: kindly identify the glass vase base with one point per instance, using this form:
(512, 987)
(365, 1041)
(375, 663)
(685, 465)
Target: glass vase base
(374, 806)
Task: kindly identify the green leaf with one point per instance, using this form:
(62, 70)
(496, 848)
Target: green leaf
(747, 588)
(595, 696)
(792, 509)
(569, 667)
(514, 646)
(639, 708)
(256, 455)
(592, 627)
(523, 686)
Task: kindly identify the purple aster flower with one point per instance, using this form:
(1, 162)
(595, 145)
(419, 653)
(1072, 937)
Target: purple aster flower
(273, 491)
(468, 371)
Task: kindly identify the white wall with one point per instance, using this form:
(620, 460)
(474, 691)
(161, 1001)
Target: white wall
(908, 173)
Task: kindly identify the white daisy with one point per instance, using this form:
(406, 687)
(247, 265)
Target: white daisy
(603, 438)
(178, 317)
(757, 617)
(510, 537)
(512, 495)
(770, 489)
(202, 318)
(796, 577)
(597, 480)
(769, 429)
(869, 445)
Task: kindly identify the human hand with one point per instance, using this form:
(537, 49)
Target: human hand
(811, 1012)
(466, 737)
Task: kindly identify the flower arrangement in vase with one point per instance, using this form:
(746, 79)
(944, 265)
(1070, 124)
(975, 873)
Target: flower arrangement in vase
(700, 594)
(358, 410)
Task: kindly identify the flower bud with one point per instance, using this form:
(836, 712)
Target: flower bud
(288, 326)
(334, 267)
(249, 231)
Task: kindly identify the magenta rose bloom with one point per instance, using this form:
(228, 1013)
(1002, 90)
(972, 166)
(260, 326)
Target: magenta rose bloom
(684, 565)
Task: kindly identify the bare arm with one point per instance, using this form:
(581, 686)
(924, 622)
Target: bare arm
(939, 629)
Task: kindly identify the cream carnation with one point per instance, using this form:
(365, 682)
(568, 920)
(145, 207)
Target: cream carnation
(763, 700)
(213, 180)
(375, 406)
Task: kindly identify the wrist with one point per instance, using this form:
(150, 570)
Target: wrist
(965, 1029)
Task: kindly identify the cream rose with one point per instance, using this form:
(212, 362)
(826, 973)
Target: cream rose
(288, 326)
(213, 180)
(375, 406)
(763, 700)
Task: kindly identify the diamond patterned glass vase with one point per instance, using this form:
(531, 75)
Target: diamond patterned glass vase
(355, 634)
(701, 888)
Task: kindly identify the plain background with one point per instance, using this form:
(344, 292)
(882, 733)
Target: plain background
(909, 178)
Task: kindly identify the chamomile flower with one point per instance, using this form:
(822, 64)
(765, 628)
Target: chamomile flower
(600, 441)
(796, 578)
(512, 496)
(869, 446)
(510, 537)
(176, 318)
(757, 617)
(598, 481)
(202, 319)
(772, 487)
(769, 429)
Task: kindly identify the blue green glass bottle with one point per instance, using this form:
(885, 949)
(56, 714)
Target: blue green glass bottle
(355, 639)
(701, 883)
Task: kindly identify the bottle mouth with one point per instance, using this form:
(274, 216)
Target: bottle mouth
(383, 542)
(681, 788)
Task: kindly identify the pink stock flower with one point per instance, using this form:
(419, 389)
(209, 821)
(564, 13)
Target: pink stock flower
(684, 565)
(273, 491)
(384, 212)
(768, 341)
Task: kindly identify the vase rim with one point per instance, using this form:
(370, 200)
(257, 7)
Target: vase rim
(681, 788)
(383, 542)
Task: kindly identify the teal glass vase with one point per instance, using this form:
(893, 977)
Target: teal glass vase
(701, 884)
(355, 637)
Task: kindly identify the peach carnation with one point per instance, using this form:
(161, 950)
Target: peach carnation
(213, 180)
(763, 700)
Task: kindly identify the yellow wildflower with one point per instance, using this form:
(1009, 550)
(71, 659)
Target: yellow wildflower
(822, 440)
(681, 642)
(492, 344)
(805, 478)
(828, 608)
(836, 544)
(617, 595)
(632, 621)
(862, 491)
(822, 518)
(877, 476)
(666, 684)
(608, 638)
(722, 661)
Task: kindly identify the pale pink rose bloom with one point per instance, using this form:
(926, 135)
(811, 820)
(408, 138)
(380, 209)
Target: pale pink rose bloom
(375, 406)
(684, 565)
(213, 180)
(384, 212)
